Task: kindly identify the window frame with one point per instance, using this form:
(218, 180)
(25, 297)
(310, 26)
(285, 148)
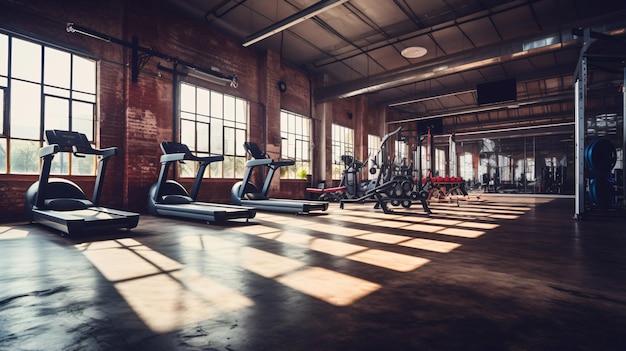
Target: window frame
(48, 89)
(207, 116)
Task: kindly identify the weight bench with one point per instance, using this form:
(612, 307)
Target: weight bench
(327, 194)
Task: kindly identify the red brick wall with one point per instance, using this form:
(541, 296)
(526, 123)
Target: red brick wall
(137, 116)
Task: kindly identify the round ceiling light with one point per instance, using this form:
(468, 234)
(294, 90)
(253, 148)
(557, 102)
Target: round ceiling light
(414, 52)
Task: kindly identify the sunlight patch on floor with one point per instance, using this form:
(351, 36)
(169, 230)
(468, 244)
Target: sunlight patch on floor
(331, 247)
(464, 233)
(384, 238)
(330, 286)
(333, 287)
(12, 233)
(163, 292)
(430, 245)
(391, 260)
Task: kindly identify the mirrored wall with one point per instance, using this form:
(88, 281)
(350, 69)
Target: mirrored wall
(527, 165)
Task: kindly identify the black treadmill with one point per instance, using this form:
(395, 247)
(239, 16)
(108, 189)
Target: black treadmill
(170, 198)
(60, 203)
(245, 193)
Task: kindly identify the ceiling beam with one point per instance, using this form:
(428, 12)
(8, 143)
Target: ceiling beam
(452, 64)
(439, 67)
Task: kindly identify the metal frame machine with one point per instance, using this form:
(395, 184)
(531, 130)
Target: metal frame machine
(60, 203)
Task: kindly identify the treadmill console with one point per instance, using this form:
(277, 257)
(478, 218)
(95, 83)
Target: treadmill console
(69, 141)
(254, 150)
(172, 147)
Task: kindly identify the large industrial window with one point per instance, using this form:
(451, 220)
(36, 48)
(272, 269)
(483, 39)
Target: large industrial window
(342, 144)
(42, 87)
(212, 123)
(295, 132)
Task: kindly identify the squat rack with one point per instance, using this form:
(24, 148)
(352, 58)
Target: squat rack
(580, 89)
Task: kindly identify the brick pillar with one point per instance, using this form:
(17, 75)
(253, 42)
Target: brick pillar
(270, 70)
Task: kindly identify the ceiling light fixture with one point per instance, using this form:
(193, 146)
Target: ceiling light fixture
(211, 76)
(292, 20)
(413, 52)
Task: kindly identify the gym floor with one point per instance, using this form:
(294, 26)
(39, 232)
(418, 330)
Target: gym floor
(495, 273)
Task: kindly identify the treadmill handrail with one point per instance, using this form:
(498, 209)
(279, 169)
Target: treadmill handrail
(172, 157)
(48, 150)
(259, 162)
(281, 163)
(189, 157)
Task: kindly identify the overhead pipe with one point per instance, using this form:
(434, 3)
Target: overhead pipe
(212, 75)
(502, 106)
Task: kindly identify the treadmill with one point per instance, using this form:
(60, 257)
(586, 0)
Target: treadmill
(245, 193)
(170, 198)
(60, 203)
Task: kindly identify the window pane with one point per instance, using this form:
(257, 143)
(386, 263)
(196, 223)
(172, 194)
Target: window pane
(217, 105)
(56, 113)
(203, 137)
(4, 55)
(188, 133)
(56, 68)
(60, 164)
(84, 97)
(229, 141)
(26, 60)
(83, 118)
(56, 92)
(25, 110)
(241, 108)
(203, 98)
(216, 169)
(3, 155)
(239, 140)
(187, 98)
(229, 108)
(84, 165)
(24, 156)
(217, 138)
(187, 169)
(84, 75)
(240, 166)
(229, 167)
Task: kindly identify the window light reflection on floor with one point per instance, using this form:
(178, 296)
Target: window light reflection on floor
(12, 233)
(332, 287)
(163, 292)
(380, 258)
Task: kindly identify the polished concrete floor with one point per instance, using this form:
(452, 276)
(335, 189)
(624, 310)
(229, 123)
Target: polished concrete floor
(498, 273)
